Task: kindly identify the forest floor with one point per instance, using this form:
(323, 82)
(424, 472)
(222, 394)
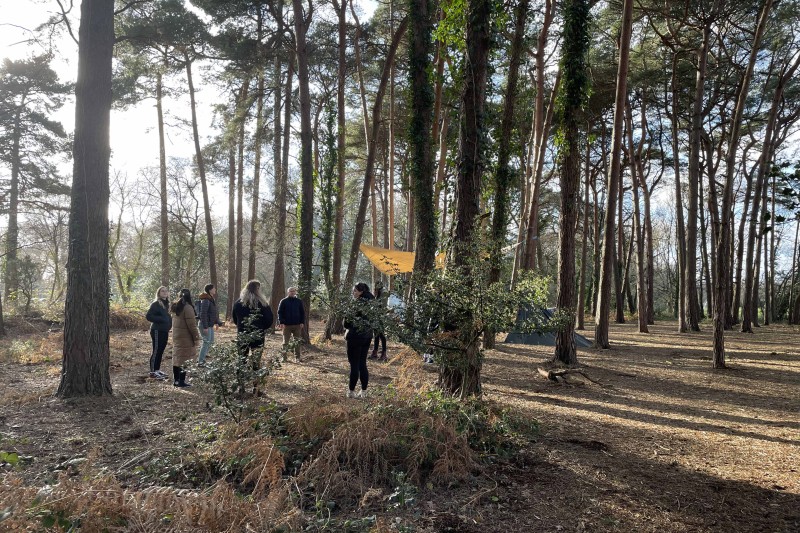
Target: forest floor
(661, 442)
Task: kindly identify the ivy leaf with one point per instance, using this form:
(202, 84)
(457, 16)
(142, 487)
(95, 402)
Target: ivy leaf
(9, 458)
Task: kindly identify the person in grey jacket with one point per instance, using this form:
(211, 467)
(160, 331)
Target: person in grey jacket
(161, 323)
(208, 315)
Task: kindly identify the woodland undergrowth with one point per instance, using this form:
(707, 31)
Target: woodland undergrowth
(282, 468)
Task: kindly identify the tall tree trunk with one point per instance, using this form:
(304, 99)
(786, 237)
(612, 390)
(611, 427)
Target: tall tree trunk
(793, 272)
(505, 177)
(621, 281)
(722, 273)
(763, 165)
(243, 96)
(162, 167)
(85, 363)
(338, 243)
(12, 233)
(637, 233)
(539, 134)
(695, 134)
(770, 304)
(306, 163)
(604, 290)
(462, 376)
(679, 220)
(473, 100)
(581, 307)
(259, 141)
(625, 277)
(391, 144)
(201, 170)
(575, 48)
(280, 154)
(706, 261)
(231, 288)
(421, 138)
(598, 222)
(370, 164)
(737, 278)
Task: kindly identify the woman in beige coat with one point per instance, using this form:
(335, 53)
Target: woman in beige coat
(185, 336)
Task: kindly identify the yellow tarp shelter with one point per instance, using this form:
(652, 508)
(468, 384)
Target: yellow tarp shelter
(393, 262)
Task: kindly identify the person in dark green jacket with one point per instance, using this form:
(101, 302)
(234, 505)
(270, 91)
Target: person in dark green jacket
(161, 324)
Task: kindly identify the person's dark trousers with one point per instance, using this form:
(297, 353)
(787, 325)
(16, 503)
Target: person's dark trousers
(357, 356)
(379, 338)
(179, 374)
(160, 339)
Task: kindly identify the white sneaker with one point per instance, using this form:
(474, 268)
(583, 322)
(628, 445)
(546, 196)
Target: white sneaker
(162, 374)
(351, 393)
(362, 394)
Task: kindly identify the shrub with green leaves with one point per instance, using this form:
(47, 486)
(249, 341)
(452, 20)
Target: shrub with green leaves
(234, 369)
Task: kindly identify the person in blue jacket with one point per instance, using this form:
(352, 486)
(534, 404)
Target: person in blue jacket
(161, 324)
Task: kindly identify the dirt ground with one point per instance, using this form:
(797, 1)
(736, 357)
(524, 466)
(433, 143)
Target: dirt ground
(662, 442)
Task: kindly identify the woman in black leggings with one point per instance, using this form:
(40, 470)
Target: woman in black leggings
(161, 324)
(359, 339)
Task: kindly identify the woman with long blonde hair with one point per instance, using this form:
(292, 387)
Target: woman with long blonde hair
(253, 317)
(161, 324)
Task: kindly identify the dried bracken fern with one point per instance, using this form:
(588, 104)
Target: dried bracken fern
(412, 376)
(103, 505)
(316, 417)
(365, 451)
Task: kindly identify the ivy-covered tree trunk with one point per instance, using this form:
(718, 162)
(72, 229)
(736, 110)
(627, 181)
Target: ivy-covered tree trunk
(614, 171)
(462, 375)
(420, 136)
(85, 363)
(575, 49)
(505, 177)
(306, 162)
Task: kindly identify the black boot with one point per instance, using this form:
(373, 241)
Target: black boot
(374, 354)
(383, 355)
(180, 377)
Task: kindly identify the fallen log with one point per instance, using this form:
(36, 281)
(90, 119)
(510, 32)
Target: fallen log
(554, 375)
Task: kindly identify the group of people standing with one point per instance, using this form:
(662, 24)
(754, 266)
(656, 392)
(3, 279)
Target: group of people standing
(192, 323)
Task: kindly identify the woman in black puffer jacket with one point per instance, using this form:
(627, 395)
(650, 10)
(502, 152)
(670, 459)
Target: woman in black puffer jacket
(161, 324)
(359, 339)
